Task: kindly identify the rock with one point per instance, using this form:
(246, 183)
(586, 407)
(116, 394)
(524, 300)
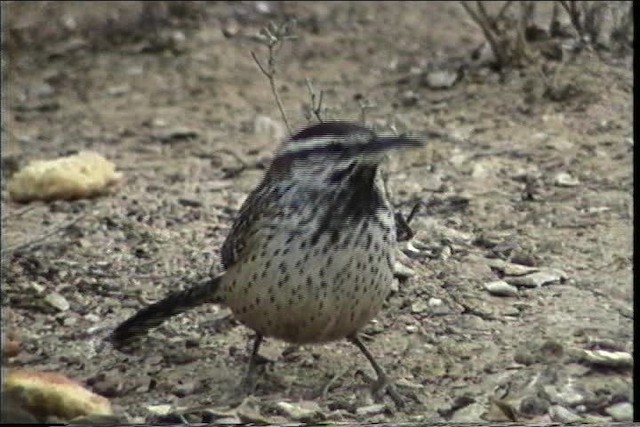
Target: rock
(621, 411)
(409, 249)
(268, 128)
(612, 359)
(537, 279)
(11, 348)
(445, 254)
(434, 302)
(178, 135)
(509, 269)
(419, 307)
(184, 389)
(469, 414)
(68, 321)
(409, 98)
(483, 55)
(37, 287)
(107, 385)
(561, 414)
(47, 394)
(178, 38)
(368, 411)
(86, 174)
(249, 412)
(550, 351)
(567, 396)
(566, 180)
(160, 410)
(228, 421)
(42, 90)
(338, 415)
(524, 357)
(99, 419)
(263, 7)
(435, 232)
(478, 171)
(57, 301)
(559, 144)
(395, 285)
(501, 288)
(411, 329)
(116, 91)
(305, 411)
(441, 79)
(401, 271)
(533, 406)
(500, 411)
(93, 318)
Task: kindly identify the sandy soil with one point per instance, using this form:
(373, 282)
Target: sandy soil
(508, 175)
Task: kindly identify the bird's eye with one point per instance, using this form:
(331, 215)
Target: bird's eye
(334, 147)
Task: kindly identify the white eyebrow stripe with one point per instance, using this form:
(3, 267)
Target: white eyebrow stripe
(307, 144)
(320, 142)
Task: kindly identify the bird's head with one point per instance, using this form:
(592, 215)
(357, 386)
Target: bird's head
(331, 154)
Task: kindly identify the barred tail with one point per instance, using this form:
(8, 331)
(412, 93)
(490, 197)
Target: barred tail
(175, 303)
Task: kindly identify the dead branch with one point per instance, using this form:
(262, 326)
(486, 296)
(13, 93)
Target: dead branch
(316, 101)
(273, 37)
(20, 212)
(31, 243)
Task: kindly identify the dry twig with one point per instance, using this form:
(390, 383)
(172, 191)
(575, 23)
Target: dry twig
(364, 106)
(316, 102)
(273, 37)
(34, 242)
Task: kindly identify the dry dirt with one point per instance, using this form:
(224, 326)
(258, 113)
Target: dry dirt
(190, 121)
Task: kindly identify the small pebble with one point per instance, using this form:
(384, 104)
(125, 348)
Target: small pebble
(92, 317)
(560, 414)
(419, 307)
(566, 180)
(434, 302)
(371, 410)
(37, 287)
(401, 271)
(501, 288)
(228, 421)
(613, 359)
(568, 396)
(534, 406)
(305, 411)
(185, 389)
(160, 410)
(268, 128)
(441, 79)
(57, 301)
(118, 90)
(620, 411)
(179, 134)
(537, 279)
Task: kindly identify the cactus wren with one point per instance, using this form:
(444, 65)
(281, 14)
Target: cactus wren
(310, 256)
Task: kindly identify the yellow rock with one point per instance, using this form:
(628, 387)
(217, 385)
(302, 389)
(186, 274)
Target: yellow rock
(46, 394)
(84, 175)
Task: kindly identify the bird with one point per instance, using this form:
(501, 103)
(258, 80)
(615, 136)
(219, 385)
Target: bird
(310, 256)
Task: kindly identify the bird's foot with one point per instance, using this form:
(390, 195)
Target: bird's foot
(384, 386)
(247, 387)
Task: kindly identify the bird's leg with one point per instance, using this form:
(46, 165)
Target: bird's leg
(248, 384)
(383, 384)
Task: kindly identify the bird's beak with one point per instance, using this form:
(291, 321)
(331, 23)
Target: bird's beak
(385, 143)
